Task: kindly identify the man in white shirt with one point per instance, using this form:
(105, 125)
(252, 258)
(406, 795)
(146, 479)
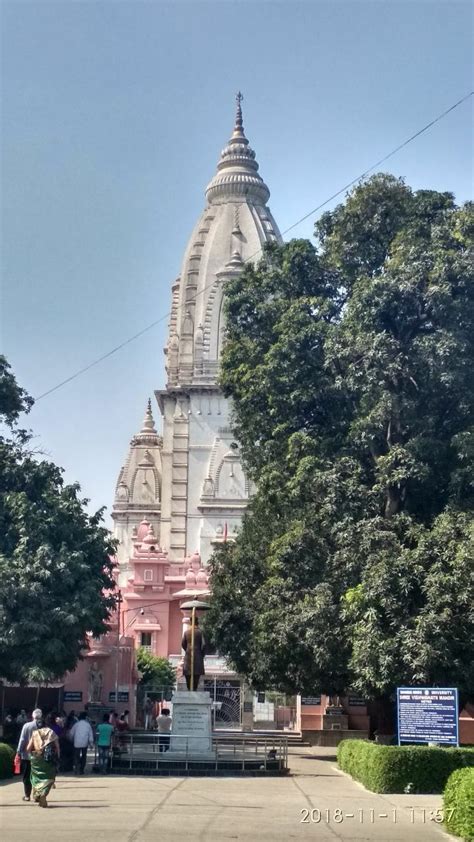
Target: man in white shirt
(25, 738)
(82, 737)
(164, 723)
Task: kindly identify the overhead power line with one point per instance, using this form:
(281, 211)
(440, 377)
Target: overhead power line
(382, 160)
(290, 228)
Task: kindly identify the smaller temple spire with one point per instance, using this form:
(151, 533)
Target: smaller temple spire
(148, 426)
(148, 435)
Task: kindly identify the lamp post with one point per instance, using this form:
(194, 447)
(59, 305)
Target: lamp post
(117, 654)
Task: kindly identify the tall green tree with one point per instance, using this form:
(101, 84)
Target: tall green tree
(56, 567)
(154, 670)
(349, 364)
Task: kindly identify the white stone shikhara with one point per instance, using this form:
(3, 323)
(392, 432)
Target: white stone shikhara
(202, 491)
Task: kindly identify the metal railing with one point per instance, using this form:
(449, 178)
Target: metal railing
(262, 753)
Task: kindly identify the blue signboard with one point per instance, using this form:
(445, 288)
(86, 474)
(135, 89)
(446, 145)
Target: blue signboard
(428, 715)
(122, 696)
(72, 696)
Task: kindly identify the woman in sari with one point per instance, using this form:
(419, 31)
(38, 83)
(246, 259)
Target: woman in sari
(44, 750)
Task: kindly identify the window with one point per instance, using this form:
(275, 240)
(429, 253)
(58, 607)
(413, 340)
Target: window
(148, 576)
(145, 640)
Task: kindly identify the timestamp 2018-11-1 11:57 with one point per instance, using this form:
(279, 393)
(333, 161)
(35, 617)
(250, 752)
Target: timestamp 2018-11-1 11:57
(417, 815)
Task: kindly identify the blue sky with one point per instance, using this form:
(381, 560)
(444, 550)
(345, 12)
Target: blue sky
(114, 115)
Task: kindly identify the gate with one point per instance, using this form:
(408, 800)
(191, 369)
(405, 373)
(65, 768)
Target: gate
(156, 693)
(226, 697)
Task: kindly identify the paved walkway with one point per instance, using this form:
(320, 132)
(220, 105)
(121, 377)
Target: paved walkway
(315, 802)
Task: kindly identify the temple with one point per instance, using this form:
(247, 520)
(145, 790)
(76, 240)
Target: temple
(190, 484)
(181, 493)
(182, 489)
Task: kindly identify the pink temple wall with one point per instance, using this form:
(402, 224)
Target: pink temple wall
(175, 630)
(166, 640)
(103, 653)
(151, 603)
(155, 591)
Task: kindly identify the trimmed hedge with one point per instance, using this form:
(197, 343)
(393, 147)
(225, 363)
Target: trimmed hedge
(458, 804)
(7, 756)
(423, 769)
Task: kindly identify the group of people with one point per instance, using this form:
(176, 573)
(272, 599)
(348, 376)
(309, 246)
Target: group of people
(43, 741)
(19, 719)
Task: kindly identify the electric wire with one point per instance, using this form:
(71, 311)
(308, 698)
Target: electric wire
(355, 180)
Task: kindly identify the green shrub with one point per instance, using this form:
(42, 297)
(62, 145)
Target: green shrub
(458, 804)
(423, 769)
(6, 761)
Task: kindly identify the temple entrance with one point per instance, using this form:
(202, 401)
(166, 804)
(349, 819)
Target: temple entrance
(226, 695)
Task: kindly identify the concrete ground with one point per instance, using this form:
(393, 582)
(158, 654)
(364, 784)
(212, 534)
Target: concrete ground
(315, 802)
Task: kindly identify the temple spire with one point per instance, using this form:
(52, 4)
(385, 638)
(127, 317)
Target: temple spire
(237, 171)
(148, 425)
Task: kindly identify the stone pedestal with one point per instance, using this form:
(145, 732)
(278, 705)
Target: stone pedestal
(95, 712)
(191, 719)
(335, 722)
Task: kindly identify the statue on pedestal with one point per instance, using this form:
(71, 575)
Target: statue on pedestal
(95, 683)
(193, 666)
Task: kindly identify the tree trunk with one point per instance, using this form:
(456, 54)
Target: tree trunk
(37, 696)
(392, 502)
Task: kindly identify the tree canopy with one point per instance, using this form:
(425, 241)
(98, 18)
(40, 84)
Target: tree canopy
(56, 567)
(350, 368)
(154, 670)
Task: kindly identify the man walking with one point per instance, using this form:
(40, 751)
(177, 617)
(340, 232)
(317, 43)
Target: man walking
(82, 737)
(104, 742)
(25, 737)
